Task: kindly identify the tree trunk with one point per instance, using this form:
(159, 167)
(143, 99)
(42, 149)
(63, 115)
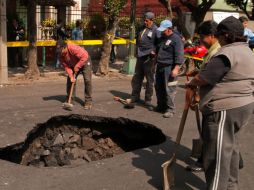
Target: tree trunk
(181, 24)
(170, 9)
(33, 70)
(106, 47)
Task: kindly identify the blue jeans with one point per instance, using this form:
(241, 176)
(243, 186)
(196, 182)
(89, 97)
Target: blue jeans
(165, 93)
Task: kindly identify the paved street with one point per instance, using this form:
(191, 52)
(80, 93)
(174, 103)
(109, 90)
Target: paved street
(23, 106)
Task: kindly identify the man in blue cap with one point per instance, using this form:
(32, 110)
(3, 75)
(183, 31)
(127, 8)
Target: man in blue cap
(170, 56)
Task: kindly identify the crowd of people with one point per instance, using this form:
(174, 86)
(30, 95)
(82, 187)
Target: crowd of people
(225, 84)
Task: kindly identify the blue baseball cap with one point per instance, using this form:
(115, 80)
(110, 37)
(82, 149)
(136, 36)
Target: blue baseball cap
(165, 24)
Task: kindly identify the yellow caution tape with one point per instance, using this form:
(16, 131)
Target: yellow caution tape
(191, 57)
(118, 41)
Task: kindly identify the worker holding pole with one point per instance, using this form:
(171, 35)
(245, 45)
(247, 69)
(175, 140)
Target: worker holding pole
(227, 103)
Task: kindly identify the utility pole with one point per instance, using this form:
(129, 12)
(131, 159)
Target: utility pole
(129, 67)
(3, 40)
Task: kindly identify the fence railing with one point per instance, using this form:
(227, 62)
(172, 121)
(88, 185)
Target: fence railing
(46, 32)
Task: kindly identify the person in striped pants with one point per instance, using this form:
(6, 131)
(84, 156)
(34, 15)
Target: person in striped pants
(227, 103)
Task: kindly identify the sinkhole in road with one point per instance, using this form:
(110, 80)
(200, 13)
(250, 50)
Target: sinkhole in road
(63, 139)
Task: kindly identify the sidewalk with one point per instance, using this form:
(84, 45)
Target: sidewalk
(16, 74)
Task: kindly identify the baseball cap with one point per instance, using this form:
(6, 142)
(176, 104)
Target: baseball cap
(165, 24)
(149, 15)
(230, 25)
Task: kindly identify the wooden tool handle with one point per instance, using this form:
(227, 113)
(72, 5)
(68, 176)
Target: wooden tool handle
(71, 92)
(181, 126)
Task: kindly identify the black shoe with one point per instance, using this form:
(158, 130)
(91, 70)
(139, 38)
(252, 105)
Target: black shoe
(159, 109)
(149, 105)
(130, 105)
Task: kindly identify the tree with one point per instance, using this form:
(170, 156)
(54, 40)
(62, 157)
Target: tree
(198, 12)
(243, 5)
(112, 8)
(167, 4)
(33, 70)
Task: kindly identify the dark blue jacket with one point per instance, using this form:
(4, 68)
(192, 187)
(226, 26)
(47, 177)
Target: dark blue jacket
(171, 51)
(146, 41)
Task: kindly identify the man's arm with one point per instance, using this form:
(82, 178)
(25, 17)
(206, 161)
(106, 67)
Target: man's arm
(179, 56)
(213, 72)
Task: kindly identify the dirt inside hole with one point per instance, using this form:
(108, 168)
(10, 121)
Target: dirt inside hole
(64, 139)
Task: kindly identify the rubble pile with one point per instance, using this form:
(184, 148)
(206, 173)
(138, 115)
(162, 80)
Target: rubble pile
(59, 146)
(64, 139)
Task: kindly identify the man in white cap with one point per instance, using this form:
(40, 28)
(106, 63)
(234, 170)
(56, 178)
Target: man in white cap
(170, 56)
(146, 48)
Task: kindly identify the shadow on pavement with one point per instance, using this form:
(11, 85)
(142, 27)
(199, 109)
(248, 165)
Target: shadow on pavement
(150, 160)
(62, 98)
(120, 94)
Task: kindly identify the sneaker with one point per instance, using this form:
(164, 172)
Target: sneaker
(133, 100)
(149, 105)
(88, 105)
(168, 114)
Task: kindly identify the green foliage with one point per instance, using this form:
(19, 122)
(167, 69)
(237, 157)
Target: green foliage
(113, 7)
(158, 19)
(70, 26)
(124, 22)
(237, 3)
(85, 22)
(232, 2)
(48, 22)
(243, 5)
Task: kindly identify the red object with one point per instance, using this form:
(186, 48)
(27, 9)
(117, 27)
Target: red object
(75, 56)
(198, 51)
(141, 6)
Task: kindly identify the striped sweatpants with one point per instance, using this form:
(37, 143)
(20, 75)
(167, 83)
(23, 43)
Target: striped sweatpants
(220, 149)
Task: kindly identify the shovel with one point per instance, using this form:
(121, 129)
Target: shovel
(123, 101)
(126, 102)
(68, 105)
(197, 143)
(168, 172)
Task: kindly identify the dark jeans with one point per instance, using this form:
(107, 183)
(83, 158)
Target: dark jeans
(165, 90)
(112, 58)
(86, 71)
(15, 56)
(220, 146)
(144, 68)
